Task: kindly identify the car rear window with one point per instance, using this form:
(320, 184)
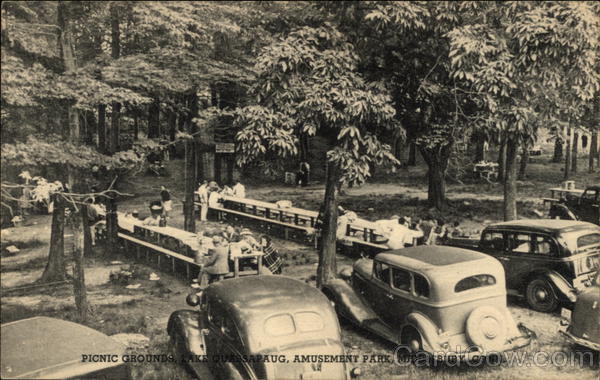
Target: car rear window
(472, 282)
(308, 321)
(280, 325)
(585, 240)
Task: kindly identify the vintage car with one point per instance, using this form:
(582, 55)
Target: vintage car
(582, 325)
(264, 320)
(547, 261)
(434, 299)
(584, 207)
(49, 348)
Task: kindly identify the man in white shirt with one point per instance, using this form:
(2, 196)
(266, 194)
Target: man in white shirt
(203, 197)
(239, 190)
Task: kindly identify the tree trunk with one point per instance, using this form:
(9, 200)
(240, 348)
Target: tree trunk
(593, 151)
(568, 154)
(478, 140)
(218, 160)
(79, 288)
(115, 121)
(558, 150)
(172, 125)
(412, 154)
(524, 161)
(502, 160)
(55, 268)
(327, 263)
(115, 46)
(154, 119)
(510, 179)
(91, 127)
(102, 128)
(136, 126)
(190, 170)
(575, 151)
(112, 228)
(437, 163)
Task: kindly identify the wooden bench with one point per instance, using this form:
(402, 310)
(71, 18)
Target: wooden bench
(265, 224)
(173, 255)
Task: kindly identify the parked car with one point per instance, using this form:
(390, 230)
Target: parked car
(582, 325)
(248, 317)
(430, 298)
(585, 207)
(547, 261)
(49, 348)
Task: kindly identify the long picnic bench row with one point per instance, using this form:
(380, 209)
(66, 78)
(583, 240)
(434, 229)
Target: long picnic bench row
(178, 246)
(293, 223)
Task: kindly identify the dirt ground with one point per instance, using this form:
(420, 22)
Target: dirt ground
(145, 310)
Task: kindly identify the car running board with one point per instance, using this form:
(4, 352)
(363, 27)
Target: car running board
(380, 328)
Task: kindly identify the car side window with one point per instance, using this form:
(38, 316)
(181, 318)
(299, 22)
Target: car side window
(544, 246)
(493, 240)
(421, 286)
(382, 272)
(589, 195)
(519, 243)
(401, 279)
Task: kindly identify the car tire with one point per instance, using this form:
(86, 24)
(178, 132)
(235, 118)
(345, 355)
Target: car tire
(541, 296)
(175, 347)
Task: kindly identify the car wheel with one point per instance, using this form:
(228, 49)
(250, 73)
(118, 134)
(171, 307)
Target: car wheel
(541, 296)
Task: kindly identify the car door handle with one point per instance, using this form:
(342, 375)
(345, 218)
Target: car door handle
(503, 258)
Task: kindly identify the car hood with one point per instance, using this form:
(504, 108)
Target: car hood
(42, 347)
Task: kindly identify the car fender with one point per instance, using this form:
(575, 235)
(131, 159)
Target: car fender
(186, 324)
(564, 288)
(347, 302)
(427, 329)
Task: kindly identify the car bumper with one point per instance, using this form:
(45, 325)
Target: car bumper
(580, 341)
(512, 344)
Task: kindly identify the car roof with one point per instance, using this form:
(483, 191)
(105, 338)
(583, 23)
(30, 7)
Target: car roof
(43, 347)
(546, 225)
(431, 256)
(255, 296)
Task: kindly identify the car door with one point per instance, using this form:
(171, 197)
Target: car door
(377, 290)
(399, 296)
(587, 207)
(519, 258)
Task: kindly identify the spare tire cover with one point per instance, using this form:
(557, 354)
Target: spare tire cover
(487, 328)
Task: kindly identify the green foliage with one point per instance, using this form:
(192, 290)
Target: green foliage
(309, 82)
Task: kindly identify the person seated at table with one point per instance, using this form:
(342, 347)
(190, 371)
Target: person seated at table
(437, 233)
(401, 236)
(427, 225)
(155, 216)
(271, 259)
(205, 243)
(217, 264)
(455, 230)
(239, 190)
(227, 191)
(231, 235)
(214, 199)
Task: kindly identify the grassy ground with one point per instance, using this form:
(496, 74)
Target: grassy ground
(117, 309)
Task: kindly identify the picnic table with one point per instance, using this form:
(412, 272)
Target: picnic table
(486, 170)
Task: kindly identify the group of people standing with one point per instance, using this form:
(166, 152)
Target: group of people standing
(210, 195)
